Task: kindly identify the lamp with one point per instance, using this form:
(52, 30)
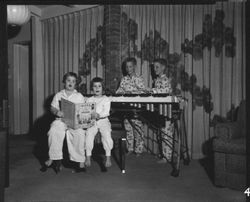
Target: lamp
(18, 14)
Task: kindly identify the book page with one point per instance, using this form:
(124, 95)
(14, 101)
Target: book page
(83, 113)
(78, 115)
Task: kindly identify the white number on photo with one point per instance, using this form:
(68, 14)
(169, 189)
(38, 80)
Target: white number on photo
(247, 192)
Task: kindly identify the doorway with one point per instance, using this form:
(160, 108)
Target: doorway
(22, 88)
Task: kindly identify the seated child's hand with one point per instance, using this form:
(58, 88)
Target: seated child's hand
(148, 90)
(60, 114)
(128, 92)
(94, 115)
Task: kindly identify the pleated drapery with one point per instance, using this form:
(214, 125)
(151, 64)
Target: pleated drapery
(205, 49)
(69, 43)
(204, 46)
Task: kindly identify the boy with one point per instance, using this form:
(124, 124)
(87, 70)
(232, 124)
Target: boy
(57, 132)
(132, 83)
(162, 84)
(102, 122)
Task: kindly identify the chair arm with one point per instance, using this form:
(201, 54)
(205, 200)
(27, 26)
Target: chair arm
(227, 131)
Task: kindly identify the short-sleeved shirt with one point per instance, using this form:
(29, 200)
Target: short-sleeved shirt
(162, 84)
(75, 97)
(134, 84)
(102, 105)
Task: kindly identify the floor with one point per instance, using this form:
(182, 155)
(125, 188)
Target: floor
(144, 180)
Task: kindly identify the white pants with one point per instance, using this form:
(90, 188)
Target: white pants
(75, 142)
(104, 126)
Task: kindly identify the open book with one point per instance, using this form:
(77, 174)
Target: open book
(78, 115)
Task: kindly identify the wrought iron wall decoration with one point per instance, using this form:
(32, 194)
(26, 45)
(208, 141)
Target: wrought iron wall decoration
(154, 46)
(213, 34)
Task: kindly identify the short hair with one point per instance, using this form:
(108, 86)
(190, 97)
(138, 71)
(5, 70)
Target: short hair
(161, 61)
(97, 80)
(68, 74)
(133, 60)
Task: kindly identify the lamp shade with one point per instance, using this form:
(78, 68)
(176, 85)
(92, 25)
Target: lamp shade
(18, 14)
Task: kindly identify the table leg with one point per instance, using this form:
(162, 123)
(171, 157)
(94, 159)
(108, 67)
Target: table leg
(176, 150)
(122, 153)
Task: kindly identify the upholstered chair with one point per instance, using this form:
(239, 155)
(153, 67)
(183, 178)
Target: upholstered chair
(229, 147)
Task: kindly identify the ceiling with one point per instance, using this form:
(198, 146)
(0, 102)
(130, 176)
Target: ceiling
(41, 6)
(46, 6)
(48, 11)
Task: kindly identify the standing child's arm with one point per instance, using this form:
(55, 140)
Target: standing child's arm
(121, 88)
(140, 84)
(164, 87)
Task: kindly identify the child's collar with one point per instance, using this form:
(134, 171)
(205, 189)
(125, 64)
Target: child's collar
(65, 91)
(98, 96)
(163, 75)
(132, 76)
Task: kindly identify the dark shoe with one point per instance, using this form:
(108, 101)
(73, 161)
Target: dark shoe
(161, 161)
(79, 169)
(129, 153)
(138, 154)
(45, 165)
(56, 165)
(44, 168)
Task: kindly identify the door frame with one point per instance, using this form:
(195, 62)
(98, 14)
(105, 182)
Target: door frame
(4, 141)
(17, 91)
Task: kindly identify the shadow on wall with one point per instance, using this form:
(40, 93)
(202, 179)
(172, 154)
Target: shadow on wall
(208, 161)
(124, 71)
(39, 132)
(13, 31)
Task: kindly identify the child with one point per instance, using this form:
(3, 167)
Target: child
(132, 83)
(162, 84)
(102, 122)
(57, 132)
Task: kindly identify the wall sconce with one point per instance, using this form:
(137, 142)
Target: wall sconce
(18, 14)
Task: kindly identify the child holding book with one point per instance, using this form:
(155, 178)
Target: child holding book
(102, 122)
(58, 129)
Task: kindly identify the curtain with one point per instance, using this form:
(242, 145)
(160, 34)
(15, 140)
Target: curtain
(72, 42)
(204, 46)
(205, 49)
